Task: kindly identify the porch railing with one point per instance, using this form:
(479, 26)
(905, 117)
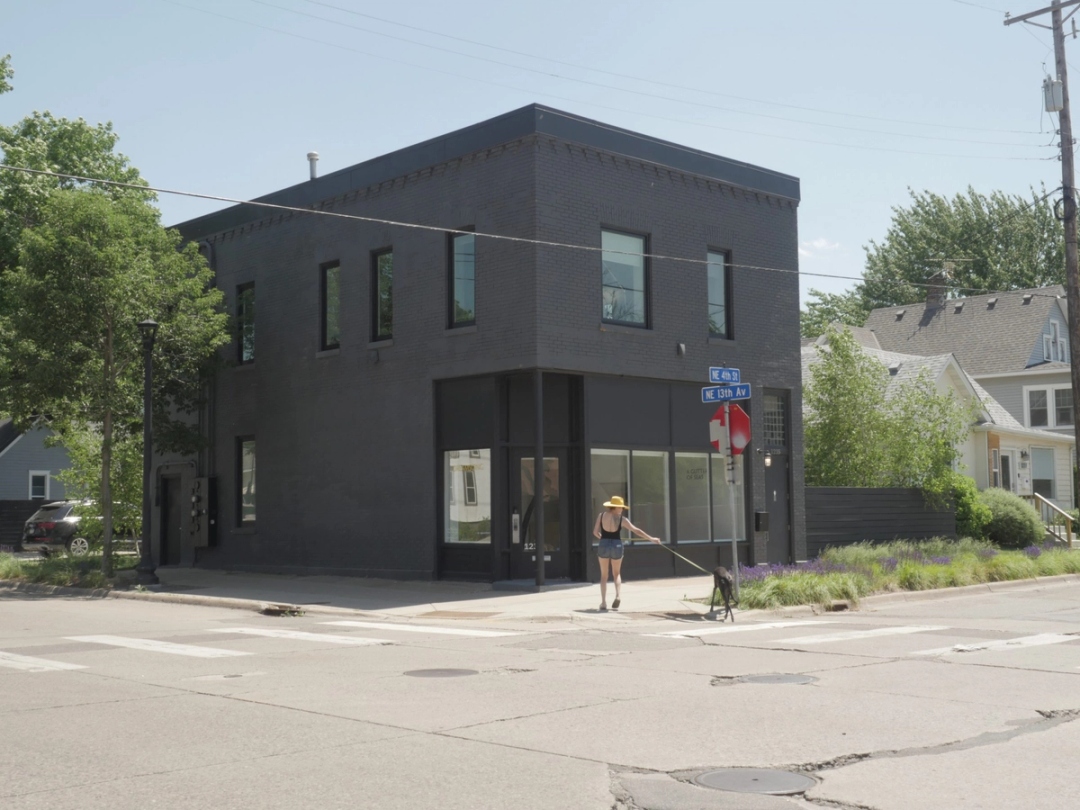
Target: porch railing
(1057, 521)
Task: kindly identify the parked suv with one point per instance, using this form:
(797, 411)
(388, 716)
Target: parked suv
(55, 527)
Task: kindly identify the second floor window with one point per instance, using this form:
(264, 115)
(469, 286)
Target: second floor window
(1050, 407)
(462, 279)
(245, 322)
(330, 286)
(719, 324)
(382, 295)
(625, 278)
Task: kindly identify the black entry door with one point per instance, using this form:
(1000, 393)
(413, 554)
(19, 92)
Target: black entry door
(171, 519)
(522, 490)
(774, 434)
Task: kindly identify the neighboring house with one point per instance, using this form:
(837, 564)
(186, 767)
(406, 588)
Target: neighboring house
(999, 451)
(27, 476)
(1015, 345)
(391, 384)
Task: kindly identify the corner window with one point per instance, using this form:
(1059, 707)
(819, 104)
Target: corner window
(382, 295)
(245, 322)
(330, 293)
(39, 485)
(625, 279)
(1049, 406)
(245, 480)
(462, 279)
(467, 496)
(719, 321)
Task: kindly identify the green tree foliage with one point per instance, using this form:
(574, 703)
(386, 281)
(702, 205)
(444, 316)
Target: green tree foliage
(845, 309)
(6, 74)
(91, 268)
(82, 480)
(858, 434)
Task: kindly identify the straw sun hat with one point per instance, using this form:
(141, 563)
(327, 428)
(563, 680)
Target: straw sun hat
(616, 502)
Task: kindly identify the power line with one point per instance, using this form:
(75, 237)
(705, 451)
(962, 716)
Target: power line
(669, 84)
(643, 93)
(443, 230)
(639, 112)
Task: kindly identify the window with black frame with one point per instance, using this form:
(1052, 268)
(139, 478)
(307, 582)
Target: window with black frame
(245, 322)
(719, 316)
(625, 279)
(382, 295)
(462, 279)
(330, 284)
(245, 480)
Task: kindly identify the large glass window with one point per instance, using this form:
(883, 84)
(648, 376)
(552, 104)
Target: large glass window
(467, 496)
(692, 509)
(1049, 406)
(641, 479)
(1042, 471)
(625, 278)
(462, 279)
(245, 322)
(382, 295)
(1063, 406)
(726, 525)
(610, 476)
(246, 479)
(719, 325)
(330, 286)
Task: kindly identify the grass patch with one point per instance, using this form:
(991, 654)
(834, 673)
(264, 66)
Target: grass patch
(852, 572)
(79, 572)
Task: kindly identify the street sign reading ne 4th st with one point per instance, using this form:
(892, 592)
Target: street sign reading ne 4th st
(723, 375)
(725, 393)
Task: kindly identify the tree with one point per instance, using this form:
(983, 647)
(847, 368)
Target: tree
(858, 433)
(91, 268)
(846, 309)
(6, 73)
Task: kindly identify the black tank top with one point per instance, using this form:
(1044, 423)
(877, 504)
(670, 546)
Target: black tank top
(606, 535)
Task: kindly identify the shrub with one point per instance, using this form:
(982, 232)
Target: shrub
(1015, 523)
(972, 515)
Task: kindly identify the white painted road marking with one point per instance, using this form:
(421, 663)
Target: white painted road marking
(27, 664)
(150, 645)
(855, 635)
(419, 628)
(731, 628)
(1007, 644)
(300, 635)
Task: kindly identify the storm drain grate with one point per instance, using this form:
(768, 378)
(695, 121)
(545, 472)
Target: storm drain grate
(440, 673)
(756, 780)
(777, 677)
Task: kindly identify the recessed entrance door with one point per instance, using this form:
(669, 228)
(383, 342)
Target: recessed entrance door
(523, 508)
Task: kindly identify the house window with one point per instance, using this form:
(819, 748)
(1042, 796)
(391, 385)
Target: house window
(995, 468)
(330, 285)
(462, 279)
(1042, 471)
(467, 496)
(625, 279)
(39, 485)
(382, 295)
(1049, 406)
(1055, 347)
(245, 322)
(245, 480)
(719, 324)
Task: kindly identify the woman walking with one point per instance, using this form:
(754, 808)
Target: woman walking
(608, 530)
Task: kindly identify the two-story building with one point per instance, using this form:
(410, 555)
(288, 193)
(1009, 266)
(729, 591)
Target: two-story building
(412, 329)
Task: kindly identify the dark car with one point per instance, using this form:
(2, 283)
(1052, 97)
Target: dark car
(55, 527)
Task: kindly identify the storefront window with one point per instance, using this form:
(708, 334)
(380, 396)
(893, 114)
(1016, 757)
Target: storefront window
(723, 523)
(692, 497)
(467, 496)
(649, 493)
(610, 476)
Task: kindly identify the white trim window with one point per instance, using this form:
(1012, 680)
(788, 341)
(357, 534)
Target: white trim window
(1048, 406)
(1055, 347)
(39, 485)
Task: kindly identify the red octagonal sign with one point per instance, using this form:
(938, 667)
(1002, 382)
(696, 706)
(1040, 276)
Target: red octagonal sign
(740, 429)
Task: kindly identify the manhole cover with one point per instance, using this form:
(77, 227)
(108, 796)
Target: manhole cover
(777, 678)
(440, 673)
(756, 780)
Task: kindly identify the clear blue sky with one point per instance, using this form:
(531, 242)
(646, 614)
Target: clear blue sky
(227, 96)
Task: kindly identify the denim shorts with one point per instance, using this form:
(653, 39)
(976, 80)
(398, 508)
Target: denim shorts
(610, 549)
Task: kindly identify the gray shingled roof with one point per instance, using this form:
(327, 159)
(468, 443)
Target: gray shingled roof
(987, 333)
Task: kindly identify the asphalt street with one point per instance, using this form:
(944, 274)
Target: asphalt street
(968, 702)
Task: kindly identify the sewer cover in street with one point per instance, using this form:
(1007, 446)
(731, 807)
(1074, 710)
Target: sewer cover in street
(777, 677)
(440, 673)
(756, 780)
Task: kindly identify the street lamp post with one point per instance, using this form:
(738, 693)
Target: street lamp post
(145, 569)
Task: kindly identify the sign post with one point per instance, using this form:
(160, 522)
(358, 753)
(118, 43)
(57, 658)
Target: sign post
(729, 390)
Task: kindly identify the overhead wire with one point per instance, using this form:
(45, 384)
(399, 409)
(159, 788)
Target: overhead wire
(688, 122)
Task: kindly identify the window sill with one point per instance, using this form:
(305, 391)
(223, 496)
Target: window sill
(244, 366)
(624, 329)
(329, 352)
(381, 343)
(716, 340)
(462, 330)
(245, 530)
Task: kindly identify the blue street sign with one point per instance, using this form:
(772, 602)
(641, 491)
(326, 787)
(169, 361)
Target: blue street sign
(723, 375)
(725, 393)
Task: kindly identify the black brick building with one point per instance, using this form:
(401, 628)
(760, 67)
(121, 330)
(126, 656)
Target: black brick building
(380, 418)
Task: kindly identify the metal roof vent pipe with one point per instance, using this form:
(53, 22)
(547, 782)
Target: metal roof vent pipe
(313, 158)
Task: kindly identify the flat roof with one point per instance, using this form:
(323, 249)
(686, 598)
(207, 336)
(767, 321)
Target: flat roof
(511, 126)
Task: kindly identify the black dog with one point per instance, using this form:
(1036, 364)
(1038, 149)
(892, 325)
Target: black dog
(723, 582)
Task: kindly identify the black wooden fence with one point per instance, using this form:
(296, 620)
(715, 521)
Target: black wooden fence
(13, 514)
(840, 516)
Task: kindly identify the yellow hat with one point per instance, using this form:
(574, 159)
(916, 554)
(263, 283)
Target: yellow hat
(616, 502)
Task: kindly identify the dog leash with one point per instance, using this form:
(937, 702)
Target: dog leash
(681, 557)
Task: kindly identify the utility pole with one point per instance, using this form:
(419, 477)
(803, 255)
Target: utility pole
(1068, 190)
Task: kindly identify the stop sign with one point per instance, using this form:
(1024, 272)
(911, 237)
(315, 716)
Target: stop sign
(740, 429)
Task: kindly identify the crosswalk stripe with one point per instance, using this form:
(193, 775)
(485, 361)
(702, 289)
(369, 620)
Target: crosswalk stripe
(1004, 644)
(25, 663)
(855, 635)
(300, 635)
(731, 628)
(150, 645)
(419, 628)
